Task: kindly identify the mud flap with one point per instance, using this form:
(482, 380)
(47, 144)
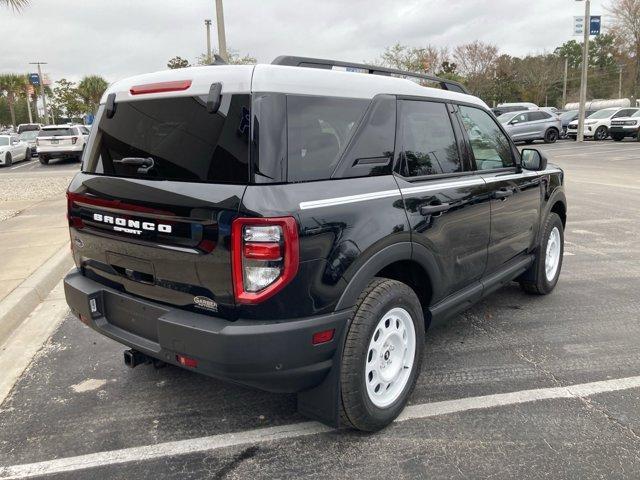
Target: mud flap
(324, 402)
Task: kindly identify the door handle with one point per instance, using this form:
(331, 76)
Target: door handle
(503, 193)
(426, 210)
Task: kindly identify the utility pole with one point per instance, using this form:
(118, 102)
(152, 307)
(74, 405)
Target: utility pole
(585, 65)
(208, 25)
(564, 85)
(619, 81)
(222, 39)
(44, 98)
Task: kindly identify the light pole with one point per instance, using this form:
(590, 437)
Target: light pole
(585, 65)
(44, 98)
(564, 84)
(208, 25)
(620, 67)
(222, 39)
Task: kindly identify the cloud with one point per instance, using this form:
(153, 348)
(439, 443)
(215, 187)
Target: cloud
(118, 38)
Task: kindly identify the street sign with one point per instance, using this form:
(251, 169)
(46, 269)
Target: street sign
(34, 79)
(595, 22)
(594, 25)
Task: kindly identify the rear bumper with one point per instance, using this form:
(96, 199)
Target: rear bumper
(627, 131)
(65, 151)
(276, 356)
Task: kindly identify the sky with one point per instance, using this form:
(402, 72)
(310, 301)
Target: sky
(119, 38)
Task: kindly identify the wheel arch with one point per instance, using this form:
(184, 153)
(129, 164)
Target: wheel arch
(407, 263)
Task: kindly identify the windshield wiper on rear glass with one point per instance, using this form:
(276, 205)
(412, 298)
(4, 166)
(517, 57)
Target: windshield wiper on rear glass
(145, 164)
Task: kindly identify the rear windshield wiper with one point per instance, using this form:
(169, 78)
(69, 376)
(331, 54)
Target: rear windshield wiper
(145, 164)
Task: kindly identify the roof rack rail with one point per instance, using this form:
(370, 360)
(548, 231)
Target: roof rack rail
(320, 63)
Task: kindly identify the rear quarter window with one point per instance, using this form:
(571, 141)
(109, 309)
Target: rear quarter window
(318, 130)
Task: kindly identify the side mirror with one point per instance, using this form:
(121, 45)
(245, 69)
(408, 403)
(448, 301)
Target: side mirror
(533, 159)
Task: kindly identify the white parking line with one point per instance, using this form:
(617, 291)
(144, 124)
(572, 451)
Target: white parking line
(28, 162)
(296, 430)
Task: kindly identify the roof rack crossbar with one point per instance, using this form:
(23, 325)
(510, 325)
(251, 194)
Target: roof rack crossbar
(324, 64)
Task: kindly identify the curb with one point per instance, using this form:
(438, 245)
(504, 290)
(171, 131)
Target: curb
(17, 306)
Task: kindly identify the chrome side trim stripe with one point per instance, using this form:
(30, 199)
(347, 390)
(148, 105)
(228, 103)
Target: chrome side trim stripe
(363, 197)
(330, 202)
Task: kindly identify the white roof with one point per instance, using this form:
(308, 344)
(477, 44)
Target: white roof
(280, 79)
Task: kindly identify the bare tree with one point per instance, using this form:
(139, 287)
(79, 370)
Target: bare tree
(477, 62)
(626, 17)
(428, 59)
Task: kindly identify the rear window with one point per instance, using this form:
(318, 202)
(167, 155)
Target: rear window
(318, 129)
(56, 132)
(183, 140)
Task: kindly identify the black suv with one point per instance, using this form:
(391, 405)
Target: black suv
(297, 226)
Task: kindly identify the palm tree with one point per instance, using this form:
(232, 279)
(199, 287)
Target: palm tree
(91, 89)
(14, 85)
(15, 4)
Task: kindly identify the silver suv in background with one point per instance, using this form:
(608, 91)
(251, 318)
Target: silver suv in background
(532, 125)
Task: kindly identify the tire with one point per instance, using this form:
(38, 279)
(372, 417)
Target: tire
(539, 279)
(43, 160)
(388, 314)
(8, 161)
(551, 135)
(27, 154)
(617, 138)
(601, 133)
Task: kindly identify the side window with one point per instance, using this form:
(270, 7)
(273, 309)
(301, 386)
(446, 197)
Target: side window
(318, 129)
(427, 143)
(538, 116)
(624, 113)
(523, 117)
(491, 147)
(370, 151)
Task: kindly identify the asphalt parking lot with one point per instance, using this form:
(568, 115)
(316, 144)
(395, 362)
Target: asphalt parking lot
(516, 387)
(33, 166)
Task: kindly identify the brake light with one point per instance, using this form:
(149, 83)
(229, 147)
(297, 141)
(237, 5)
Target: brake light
(264, 256)
(74, 220)
(74, 140)
(160, 87)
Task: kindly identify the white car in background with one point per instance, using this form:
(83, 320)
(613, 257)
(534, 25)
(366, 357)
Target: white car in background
(61, 141)
(12, 149)
(29, 137)
(597, 124)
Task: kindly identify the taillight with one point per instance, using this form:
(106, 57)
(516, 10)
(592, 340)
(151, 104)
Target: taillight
(265, 256)
(74, 220)
(74, 140)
